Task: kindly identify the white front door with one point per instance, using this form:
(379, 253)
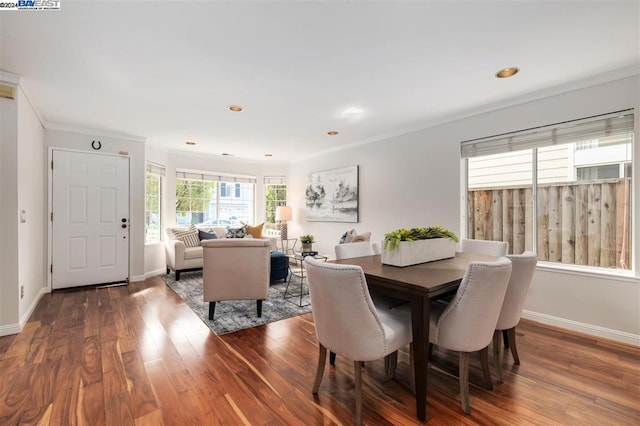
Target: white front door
(90, 227)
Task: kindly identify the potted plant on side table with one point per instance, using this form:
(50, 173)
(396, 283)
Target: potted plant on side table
(307, 243)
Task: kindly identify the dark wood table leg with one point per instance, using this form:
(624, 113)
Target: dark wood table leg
(420, 329)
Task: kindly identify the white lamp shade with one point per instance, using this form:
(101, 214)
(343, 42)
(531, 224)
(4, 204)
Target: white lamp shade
(283, 213)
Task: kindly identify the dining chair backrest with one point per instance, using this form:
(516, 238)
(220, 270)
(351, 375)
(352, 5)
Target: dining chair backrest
(349, 250)
(345, 317)
(468, 322)
(491, 248)
(523, 267)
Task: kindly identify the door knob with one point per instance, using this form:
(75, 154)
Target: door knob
(124, 220)
(124, 225)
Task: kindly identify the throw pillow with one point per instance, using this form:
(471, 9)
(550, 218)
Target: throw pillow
(236, 232)
(362, 237)
(204, 235)
(255, 231)
(346, 235)
(351, 235)
(188, 236)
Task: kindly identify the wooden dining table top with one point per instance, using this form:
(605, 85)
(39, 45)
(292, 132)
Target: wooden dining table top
(429, 278)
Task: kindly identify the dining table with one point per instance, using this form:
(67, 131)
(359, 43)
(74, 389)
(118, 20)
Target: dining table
(420, 285)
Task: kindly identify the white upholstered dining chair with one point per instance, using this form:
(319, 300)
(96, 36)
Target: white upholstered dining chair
(523, 266)
(359, 249)
(348, 323)
(490, 248)
(467, 323)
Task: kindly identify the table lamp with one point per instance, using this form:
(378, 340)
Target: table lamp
(283, 214)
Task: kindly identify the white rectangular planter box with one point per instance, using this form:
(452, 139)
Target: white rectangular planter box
(420, 251)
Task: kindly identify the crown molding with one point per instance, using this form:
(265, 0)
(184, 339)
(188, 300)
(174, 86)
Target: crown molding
(96, 132)
(7, 77)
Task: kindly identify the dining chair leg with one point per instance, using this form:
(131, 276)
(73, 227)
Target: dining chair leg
(358, 373)
(259, 308)
(332, 358)
(484, 363)
(512, 345)
(322, 360)
(390, 364)
(497, 354)
(464, 382)
(505, 339)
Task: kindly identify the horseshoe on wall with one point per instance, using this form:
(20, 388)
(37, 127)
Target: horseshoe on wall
(97, 145)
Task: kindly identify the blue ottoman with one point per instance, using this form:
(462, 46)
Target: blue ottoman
(279, 266)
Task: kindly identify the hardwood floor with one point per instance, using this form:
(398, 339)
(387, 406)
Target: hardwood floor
(138, 355)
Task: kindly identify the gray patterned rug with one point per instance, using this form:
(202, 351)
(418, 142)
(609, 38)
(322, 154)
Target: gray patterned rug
(236, 315)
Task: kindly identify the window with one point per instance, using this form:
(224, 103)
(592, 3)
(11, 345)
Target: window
(205, 199)
(275, 195)
(153, 203)
(547, 190)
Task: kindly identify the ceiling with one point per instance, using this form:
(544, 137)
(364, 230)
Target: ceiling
(168, 71)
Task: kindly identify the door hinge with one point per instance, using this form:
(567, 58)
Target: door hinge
(51, 216)
(51, 269)
(51, 164)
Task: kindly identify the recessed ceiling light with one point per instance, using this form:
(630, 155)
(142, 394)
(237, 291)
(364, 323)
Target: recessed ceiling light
(235, 108)
(190, 142)
(507, 72)
(332, 133)
(225, 153)
(268, 155)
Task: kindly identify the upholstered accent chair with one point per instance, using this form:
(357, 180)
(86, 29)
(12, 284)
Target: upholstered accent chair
(236, 269)
(359, 249)
(491, 248)
(523, 268)
(467, 323)
(348, 323)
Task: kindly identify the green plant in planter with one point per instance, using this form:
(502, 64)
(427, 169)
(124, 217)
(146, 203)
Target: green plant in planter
(392, 239)
(307, 239)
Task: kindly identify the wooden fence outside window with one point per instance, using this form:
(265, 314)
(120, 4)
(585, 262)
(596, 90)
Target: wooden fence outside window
(582, 223)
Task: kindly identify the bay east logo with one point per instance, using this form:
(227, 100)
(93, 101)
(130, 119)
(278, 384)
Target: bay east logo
(38, 4)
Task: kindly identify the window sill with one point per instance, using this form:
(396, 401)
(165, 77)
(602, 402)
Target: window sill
(153, 243)
(589, 271)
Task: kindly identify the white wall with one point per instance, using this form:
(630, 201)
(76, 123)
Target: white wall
(32, 234)
(9, 294)
(114, 144)
(414, 180)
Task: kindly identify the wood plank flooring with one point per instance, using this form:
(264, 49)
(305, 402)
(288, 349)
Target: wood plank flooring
(138, 355)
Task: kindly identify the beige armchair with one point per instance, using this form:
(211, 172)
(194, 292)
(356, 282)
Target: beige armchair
(236, 269)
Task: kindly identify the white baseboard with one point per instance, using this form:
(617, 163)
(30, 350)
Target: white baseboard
(6, 330)
(136, 278)
(590, 329)
(32, 307)
(160, 271)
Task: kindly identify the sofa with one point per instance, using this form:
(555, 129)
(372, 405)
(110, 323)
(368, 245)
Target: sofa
(183, 253)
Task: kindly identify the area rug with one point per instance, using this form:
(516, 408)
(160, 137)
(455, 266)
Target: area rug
(236, 315)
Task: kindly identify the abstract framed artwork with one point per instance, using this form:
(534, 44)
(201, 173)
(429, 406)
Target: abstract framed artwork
(332, 195)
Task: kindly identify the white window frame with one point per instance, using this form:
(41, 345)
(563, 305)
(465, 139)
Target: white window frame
(535, 138)
(153, 169)
(229, 182)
